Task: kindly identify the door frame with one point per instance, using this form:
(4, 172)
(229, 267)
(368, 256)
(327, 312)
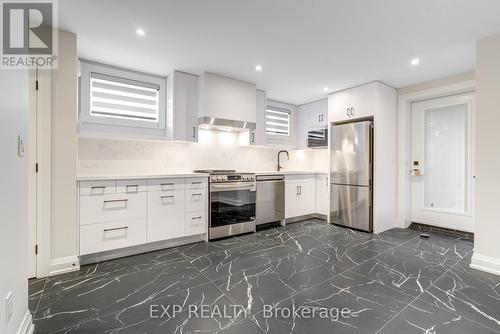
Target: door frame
(404, 140)
(40, 105)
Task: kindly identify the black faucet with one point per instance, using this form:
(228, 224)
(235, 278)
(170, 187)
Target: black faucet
(287, 156)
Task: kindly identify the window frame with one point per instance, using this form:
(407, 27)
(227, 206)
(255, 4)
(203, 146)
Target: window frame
(85, 115)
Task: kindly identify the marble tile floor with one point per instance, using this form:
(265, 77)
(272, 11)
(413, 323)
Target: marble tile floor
(331, 279)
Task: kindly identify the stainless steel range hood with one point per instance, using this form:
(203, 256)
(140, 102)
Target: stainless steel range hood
(222, 124)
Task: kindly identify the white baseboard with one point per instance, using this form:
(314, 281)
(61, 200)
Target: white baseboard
(63, 265)
(485, 263)
(26, 327)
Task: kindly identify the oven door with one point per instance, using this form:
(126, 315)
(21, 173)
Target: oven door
(232, 203)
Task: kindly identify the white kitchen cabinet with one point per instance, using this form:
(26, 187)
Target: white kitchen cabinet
(112, 235)
(353, 103)
(258, 136)
(322, 195)
(302, 125)
(165, 214)
(363, 100)
(112, 207)
(318, 115)
(300, 195)
(182, 107)
(115, 214)
(338, 106)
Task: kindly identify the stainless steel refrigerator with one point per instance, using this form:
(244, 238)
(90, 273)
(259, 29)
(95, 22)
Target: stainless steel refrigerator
(351, 170)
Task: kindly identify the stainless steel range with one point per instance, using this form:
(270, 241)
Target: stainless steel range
(232, 203)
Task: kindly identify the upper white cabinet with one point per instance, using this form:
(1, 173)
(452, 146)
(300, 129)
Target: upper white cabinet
(302, 125)
(226, 98)
(258, 136)
(311, 116)
(318, 115)
(182, 107)
(353, 103)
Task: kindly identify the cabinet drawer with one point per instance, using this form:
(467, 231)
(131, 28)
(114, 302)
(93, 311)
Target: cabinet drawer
(165, 184)
(196, 200)
(196, 183)
(165, 215)
(97, 187)
(195, 223)
(130, 186)
(112, 207)
(112, 235)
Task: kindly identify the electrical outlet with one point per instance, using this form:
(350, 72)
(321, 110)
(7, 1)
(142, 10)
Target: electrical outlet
(20, 146)
(9, 306)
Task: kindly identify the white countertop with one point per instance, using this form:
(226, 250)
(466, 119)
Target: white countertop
(187, 174)
(138, 176)
(290, 172)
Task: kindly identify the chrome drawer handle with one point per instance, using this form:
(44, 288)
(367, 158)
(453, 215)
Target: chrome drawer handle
(199, 194)
(115, 229)
(132, 186)
(116, 200)
(168, 196)
(199, 217)
(98, 187)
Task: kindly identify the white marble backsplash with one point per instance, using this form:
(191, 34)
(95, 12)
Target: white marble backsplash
(214, 150)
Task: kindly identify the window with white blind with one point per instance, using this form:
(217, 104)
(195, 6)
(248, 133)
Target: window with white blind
(115, 100)
(277, 121)
(123, 98)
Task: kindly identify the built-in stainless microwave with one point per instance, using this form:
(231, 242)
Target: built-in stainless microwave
(317, 138)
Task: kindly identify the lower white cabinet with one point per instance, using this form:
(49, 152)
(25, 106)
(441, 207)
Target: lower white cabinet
(112, 235)
(165, 215)
(322, 195)
(195, 223)
(124, 213)
(300, 195)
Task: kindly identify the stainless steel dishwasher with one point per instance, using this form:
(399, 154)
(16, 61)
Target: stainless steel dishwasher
(270, 206)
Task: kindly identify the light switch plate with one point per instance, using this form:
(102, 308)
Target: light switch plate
(9, 306)
(20, 146)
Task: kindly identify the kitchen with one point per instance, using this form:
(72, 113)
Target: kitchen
(176, 165)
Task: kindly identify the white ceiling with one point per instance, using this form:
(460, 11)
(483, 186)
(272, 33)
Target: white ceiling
(303, 45)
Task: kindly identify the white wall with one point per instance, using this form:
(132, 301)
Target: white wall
(214, 150)
(64, 146)
(487, 226)
(13, 198)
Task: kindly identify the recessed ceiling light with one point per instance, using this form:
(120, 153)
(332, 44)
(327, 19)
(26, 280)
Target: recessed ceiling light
(325, 89)
(140, 32)
(258, 68)
(415, 62)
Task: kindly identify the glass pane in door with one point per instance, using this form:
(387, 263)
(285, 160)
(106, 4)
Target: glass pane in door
(446, 156)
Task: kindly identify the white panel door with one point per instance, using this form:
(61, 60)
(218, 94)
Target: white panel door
(442, 164)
